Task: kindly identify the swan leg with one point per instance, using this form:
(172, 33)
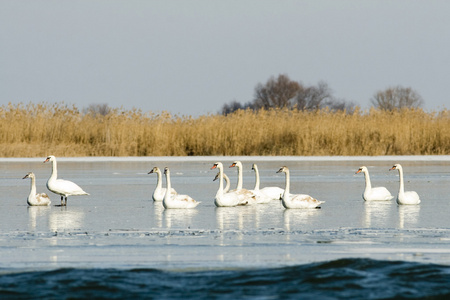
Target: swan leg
(65, 201)
(62, 197)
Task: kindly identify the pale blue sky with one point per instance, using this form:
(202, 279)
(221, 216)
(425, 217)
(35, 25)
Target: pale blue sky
(191, 57)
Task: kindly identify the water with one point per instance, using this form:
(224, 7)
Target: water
(117, 242)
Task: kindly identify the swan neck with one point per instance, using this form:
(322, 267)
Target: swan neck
(256, 179)
(220, 191)
(54, 170)
(239, 183)
(33, 186)
(169, 187)
(367, 177)
(158, 180)
(401, 189)
(288, 183)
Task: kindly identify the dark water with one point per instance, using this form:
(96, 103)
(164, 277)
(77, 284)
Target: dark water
(338, 279)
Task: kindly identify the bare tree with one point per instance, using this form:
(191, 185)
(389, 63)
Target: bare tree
(276, 92)
(313, 97)
(233, 106)
(97, 109)
(396, 98)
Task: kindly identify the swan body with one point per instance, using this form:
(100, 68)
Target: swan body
(227, 180)
(33, 198)
(159, 192)
(373, 193)
(247, 197)
(407, 198)
(62, 187)
(296, 200)
(227, 199)
(272, 192)
(176, 201)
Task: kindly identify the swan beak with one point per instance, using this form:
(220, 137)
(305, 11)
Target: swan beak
(393, 168)
(359, 171)
(26, 176)
(150, 172)
(46, 160)
(233, 165)
(280, 170)
(214, 166)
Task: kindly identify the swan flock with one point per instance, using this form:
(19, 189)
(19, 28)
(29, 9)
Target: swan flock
(224, 197)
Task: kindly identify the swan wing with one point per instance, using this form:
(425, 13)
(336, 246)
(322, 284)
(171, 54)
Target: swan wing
(65, 187)
(226, 200)
(260, 197)
(378, 194)
(273, 192)
(409, 197)
(184, 201)
(304, 201)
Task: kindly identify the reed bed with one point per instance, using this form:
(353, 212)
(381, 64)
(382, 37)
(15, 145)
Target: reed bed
(37, 130)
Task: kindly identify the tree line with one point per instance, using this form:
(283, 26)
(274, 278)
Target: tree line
(282, 92)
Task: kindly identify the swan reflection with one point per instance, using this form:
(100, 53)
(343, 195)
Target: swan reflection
(65, 219)
(296, 218)
(236, 218)
(35, 213)
(376, 213)
(178, 218)
(158, 210)
(408, 215)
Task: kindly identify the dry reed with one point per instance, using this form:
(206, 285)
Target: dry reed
(37, 130)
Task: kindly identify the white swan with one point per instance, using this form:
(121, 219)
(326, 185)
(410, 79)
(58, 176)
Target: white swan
(159, 192)
(222, 198)
(273, 192)
(62, 187)
(403, 197)
(373, 194)
(33, 198)
(247, 197)
(260, 197)
(227, 180)
(296, 200)
(176, 201)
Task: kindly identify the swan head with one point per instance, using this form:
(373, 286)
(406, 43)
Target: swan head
(395, 167)
(217, 165)
(49, 158)
(217, 176)
(154, 170)
(29, 175)
(283, 170)
(236, 164)
(254, 167)
(166, 171)
(362, 169)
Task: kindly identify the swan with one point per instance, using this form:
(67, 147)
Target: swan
(176, 201)
(62, 187)
(33, 198)
(273, 192)
(374, 194)
(227, 180)
(245, 194)
(224, 199)
(296, 200)
(159, 192)
(403, 197)
(261, 198)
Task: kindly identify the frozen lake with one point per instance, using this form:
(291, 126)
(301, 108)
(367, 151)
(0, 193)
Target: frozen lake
(119, 226)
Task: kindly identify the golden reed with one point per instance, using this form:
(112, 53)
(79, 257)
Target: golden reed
(37, 130)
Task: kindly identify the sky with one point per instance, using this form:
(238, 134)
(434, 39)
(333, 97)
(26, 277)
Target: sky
(192, 57)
